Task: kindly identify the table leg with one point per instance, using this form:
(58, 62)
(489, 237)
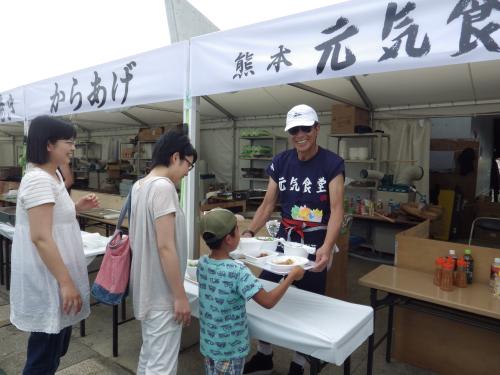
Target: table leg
(347, 366)
(82, 328)
(124, 309)
(115, 331)
(389, 334)
(314, 366)
(371, 339)
(7, 264)
(2, 282)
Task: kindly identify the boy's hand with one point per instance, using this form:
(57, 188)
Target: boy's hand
(296, 273)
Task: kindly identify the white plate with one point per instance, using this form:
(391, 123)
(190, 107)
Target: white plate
(297, 261)
(261, 259)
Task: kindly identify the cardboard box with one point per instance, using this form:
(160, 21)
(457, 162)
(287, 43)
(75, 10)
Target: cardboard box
(148, 134)
(345, 117)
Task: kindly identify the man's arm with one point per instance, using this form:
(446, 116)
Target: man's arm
(336, 192)
(266, 208)
(165, 239)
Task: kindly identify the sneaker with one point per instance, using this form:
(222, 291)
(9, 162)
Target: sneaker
(295, 369)
(259, 364)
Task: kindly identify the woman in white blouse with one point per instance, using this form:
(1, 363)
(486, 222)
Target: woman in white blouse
(49, 287)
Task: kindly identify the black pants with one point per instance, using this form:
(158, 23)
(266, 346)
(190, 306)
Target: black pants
(45, 351)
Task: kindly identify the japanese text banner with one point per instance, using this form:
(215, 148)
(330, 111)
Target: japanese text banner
(151, 77)
(352, 38)
(12, 106)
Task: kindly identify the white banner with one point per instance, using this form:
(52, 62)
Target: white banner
(347, 39)
(151, 77)
(12, 106)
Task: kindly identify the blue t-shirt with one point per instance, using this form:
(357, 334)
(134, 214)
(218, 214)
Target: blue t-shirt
(303, 185)
(224, 288)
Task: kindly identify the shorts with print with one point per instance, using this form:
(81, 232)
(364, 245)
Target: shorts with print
(230, 367)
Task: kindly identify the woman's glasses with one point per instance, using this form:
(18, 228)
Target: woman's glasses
(295, 130)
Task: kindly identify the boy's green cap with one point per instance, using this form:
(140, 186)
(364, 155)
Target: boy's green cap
(218, 222)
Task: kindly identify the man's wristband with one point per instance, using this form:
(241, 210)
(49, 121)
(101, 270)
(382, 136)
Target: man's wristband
(248, 231)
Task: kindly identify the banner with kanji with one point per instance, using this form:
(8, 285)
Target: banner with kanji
(12, 106)
(151, 77)
(352, 38)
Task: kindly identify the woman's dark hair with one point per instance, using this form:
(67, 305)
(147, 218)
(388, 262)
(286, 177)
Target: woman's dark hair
(169, 143)
(44, 130)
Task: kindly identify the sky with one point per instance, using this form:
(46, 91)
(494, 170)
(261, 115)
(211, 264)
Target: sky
(46, 38)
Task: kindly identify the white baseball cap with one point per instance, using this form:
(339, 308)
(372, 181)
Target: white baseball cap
(300, 115)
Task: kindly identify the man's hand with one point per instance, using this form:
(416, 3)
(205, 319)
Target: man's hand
(323, 255)
(182, 311)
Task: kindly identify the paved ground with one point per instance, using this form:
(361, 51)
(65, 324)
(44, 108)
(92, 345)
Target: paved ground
(92, 354)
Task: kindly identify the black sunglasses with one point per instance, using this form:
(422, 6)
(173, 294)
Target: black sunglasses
(305, 129)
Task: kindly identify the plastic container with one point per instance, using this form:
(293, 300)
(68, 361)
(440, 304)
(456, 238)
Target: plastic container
(469, 267)
(461, 276)
(452, 254)
(495, 268)
(496, 286)
(447, 277)
(438, 271)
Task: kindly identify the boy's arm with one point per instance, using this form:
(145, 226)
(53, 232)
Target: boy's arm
(269, 299)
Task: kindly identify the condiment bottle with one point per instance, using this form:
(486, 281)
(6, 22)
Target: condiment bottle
(438, 271)
(461, 276)
(469, 268)
(495, 268)
(447, 277)
(453, 255)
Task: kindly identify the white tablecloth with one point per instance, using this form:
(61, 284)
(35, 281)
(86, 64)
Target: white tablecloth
(323, 327)
(93, 243)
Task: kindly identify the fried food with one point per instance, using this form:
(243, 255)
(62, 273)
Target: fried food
(286, 262)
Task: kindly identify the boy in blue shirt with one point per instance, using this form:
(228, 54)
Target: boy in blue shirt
(224, 288)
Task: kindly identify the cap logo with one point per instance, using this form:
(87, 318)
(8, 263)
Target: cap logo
(296, 114)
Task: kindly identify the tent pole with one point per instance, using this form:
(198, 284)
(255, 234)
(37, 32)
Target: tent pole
(190, 189)
(235, 160)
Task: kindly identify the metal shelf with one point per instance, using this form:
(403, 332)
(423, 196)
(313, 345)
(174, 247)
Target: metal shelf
(269, 138)
(355, 135)
(255, 179)
(361, 187)
(263, 158)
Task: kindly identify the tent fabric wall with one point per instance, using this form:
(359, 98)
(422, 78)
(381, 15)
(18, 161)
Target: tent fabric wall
(410, 140)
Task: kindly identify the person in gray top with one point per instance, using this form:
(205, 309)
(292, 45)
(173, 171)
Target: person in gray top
(158, 240)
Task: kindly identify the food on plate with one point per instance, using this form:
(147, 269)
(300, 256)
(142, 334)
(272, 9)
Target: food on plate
(265, 238)
(263, 255)
(286, 262)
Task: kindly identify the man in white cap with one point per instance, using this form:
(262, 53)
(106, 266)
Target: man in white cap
(308, 182)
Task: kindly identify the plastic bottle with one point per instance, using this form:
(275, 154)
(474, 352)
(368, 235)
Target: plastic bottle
(438, 271)
(469, 268)
(461, 276)
(496, 286)
(447, 277)
(358, 205)
(453, 255)
(495, 268)
(390, 206)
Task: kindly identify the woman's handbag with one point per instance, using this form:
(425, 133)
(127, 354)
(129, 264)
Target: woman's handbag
(111, 284)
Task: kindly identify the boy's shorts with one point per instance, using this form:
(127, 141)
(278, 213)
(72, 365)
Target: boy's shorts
(230, 367)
